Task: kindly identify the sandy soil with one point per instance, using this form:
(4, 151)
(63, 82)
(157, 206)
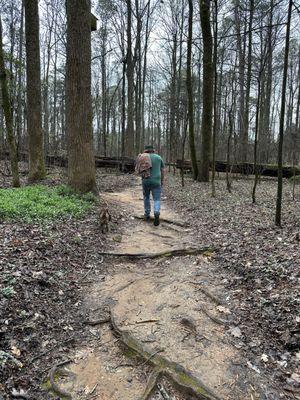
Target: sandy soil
(153, 300)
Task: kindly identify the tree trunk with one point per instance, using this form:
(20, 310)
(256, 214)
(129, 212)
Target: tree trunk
(7, 109)
(257, 121)
(282, 115)
(147, 34)
(129, 134)
(206, 127)
(104, 88)
(215, 59)
(33, 73)
(81, 165)
(173, 102)
(245, 132)
(190, 95)
(241, 73)
(20, 74)
(138, 84)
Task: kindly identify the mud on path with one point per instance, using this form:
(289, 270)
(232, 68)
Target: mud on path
(162, 304)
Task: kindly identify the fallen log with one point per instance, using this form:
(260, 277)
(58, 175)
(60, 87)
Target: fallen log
(125, 164)
(168, 253)
(173, 371)
(245, 168)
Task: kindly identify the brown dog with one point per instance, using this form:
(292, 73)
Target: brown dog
(104, 219)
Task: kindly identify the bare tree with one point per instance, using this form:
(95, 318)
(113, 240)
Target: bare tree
(206, 127)
(282, 115)
(33, 73)
(8, 116)
(190, 94)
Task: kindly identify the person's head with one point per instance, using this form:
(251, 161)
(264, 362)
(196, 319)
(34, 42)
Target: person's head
(149, 149)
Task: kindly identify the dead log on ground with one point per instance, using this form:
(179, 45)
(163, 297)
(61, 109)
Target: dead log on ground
(245, 168)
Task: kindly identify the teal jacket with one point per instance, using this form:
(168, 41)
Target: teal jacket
(157, 165)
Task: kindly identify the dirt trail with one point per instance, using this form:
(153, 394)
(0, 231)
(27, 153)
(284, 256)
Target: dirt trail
(154, 299)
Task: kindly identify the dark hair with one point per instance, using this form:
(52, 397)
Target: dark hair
(149, 149)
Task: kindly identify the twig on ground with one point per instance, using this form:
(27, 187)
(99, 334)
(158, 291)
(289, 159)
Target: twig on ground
(147, 321)
(151, 356)
(90, 270)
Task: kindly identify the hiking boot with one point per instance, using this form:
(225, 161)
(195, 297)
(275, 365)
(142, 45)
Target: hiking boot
(156, 220)
(147, 218)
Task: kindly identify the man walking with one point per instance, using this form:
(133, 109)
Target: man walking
(151, 167)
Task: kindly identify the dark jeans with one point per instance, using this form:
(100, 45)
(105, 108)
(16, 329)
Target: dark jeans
(156, 194)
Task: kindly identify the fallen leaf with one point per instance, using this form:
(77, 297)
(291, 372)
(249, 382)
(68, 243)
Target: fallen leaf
(223, 310)
(295, 377)
(236, 332)
(264, 358)
(15, 351)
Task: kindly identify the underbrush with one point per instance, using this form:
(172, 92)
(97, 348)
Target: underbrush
(40, 203)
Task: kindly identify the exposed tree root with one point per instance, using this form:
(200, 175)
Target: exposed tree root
(55, 388)
(97, 321)
(168, 253)
(182, 378)
(167, 221)
(213, 318)
(207, 293)
(152, 383)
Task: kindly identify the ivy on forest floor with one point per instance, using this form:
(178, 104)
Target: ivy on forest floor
(40, 203)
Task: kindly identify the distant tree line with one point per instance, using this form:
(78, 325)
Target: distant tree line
(200, 80)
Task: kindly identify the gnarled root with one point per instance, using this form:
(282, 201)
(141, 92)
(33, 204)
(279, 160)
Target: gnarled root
(55, 388)
(152, 383)
(182, 378)
(168, 253)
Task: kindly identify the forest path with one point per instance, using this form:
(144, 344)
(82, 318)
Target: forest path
(155, 300)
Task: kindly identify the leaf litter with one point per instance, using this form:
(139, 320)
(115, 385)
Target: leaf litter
(259, 264)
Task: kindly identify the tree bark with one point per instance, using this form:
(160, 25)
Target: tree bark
(33, 74)
(129, 134)
(7, 109)
(215, 59)
(20, 75)
(190, 94)
(206, 126)
(173, 102)
(104, 87)
(81, 165)
(245, 132)
(282, 115)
